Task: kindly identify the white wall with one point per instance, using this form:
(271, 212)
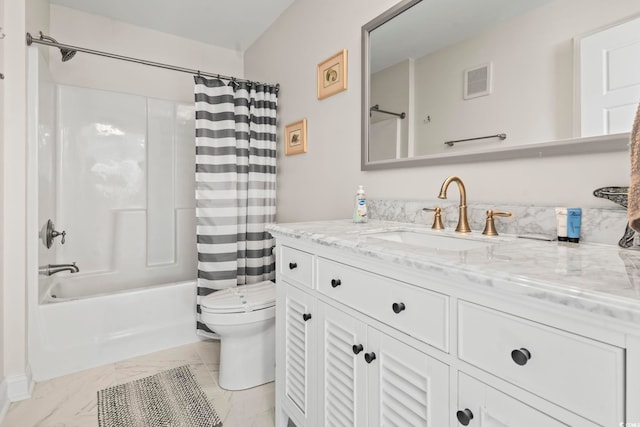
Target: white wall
(81, 29)
(18, 17)
(321, 184)
(4, 399)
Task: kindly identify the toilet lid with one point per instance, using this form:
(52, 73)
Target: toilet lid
(240, 299)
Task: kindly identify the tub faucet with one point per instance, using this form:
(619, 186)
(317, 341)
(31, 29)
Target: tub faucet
(51, 269)
(463, 223)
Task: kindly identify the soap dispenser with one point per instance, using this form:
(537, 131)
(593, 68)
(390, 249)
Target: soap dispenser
(360, 208)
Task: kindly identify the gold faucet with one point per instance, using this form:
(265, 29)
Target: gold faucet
(463, 223)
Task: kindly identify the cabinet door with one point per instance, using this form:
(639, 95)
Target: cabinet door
(406, 387)
(343, 371)
(487, 407)
(296, 358)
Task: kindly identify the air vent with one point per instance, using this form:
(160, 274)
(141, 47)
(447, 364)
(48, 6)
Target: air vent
(477, 81)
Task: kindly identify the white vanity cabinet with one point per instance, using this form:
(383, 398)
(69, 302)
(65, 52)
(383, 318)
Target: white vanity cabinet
(368, 378)
(365, 342)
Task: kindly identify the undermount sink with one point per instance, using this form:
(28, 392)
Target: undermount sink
(430, 240)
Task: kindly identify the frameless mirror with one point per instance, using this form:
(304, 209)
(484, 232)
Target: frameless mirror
(461, 80)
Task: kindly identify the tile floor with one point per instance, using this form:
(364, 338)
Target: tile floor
(70, 401)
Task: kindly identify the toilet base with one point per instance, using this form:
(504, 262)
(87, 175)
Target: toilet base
(248, 360)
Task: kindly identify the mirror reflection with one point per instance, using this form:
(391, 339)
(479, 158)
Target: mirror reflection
(445, 76)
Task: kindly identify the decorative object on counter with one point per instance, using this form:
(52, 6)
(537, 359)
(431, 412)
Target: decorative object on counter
(620, 196)
(490, 227)
(360, 208)
(437, 217)
(574, 220)
(561, 218)
(633, 210)
(332, 75)
(296, 138)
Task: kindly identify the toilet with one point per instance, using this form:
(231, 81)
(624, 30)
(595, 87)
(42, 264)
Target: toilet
(244, 318)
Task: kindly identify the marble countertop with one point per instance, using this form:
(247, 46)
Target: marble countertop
(601, 279)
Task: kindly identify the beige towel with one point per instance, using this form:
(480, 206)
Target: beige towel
(633, 210)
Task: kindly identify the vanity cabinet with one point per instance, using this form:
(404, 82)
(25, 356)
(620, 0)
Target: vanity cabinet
(368, 378)
(364, 343)
(481, 405)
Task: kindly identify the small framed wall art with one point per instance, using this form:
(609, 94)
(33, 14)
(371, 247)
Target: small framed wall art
(295, 138)
(332, 75)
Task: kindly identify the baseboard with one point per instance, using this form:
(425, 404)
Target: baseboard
(19, 387)
(4, 399)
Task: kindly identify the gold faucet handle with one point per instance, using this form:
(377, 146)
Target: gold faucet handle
(437, 217)
(490, 227)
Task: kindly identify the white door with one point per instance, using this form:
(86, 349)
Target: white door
(406, 387)
(343, 369)
(610, 79)
(482, 406)
(298, 356)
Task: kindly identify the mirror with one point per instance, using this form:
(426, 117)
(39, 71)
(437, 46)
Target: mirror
(449, 81)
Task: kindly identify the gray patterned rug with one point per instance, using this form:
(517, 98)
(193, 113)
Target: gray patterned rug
(171, 398)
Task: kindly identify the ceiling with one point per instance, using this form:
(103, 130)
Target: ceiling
(232, 24)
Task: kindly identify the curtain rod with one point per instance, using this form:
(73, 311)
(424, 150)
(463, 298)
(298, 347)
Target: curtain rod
(50, 41)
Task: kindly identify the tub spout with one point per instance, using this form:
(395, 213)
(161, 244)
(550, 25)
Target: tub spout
(51, 269)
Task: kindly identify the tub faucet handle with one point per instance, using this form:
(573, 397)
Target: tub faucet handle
(55, 234)
(490, 227)
(437, 217)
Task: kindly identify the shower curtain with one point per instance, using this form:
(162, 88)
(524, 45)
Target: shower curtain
(235, 184)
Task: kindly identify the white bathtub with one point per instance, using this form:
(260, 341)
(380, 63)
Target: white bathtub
(77, 331)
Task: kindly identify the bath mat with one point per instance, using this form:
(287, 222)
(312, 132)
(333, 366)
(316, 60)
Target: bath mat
(171, 398)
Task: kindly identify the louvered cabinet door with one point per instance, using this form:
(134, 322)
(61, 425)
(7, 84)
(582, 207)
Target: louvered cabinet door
(343, 371)
(299, 320)
(406, 387)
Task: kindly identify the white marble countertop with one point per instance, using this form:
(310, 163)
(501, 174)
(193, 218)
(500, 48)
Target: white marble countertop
(601, 279)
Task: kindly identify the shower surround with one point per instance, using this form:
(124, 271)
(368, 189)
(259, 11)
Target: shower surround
(116, 172)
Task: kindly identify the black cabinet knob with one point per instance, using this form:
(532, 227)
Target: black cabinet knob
(398, 307)
(357, 348)
(521, 356)
(335, 283)
(292, 265)
(464, 417)
(369, 357)
(306, 316)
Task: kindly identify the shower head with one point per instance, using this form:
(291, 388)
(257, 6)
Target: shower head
(67, 54)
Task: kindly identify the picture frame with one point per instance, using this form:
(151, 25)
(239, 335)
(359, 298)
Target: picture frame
(332, 75)
(295, 139)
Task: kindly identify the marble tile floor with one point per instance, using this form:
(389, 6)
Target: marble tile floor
(70, 401)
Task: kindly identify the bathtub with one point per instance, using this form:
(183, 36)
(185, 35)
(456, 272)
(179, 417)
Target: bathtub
(80, 326)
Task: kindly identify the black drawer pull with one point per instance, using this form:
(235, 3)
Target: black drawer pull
(306, 316)
(398, 307)
(369, 357)
(521, 356)
(292, 265)
(464, 417)
(335, 283)
(357, 348)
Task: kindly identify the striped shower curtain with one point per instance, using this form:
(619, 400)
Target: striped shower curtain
(235, 184)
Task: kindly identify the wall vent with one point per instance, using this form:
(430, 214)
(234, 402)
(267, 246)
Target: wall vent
(477, 81)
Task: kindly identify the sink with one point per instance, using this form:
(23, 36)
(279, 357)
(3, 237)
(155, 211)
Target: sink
(430, 240)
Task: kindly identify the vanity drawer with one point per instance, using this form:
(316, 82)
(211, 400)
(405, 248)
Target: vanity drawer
(417, 312)
(582, 375)
(296, 266)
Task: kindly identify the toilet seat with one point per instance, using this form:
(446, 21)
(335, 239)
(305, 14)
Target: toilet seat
(240, 299)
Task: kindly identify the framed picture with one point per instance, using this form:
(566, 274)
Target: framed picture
(332, 75)
(295, 140)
